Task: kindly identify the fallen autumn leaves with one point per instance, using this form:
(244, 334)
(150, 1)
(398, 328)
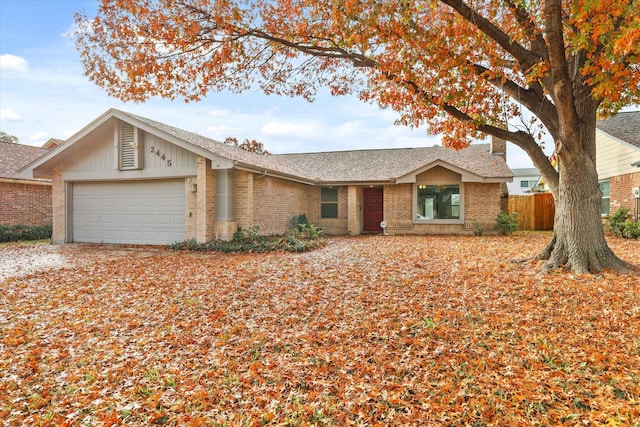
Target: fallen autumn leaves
(375, 330)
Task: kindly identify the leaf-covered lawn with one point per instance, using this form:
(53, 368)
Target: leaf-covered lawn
(374, 330)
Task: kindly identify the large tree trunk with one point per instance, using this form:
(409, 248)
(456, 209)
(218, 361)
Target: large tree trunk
(578, 241)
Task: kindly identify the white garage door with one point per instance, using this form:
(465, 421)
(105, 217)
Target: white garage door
(136, 212)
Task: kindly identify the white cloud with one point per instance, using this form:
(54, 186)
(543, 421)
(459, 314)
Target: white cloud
(68, 133)
(9, 116)
(219, 112)
(10, 62)
(39, 137)
(297, 130)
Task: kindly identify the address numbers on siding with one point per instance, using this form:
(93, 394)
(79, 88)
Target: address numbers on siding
(162, 156)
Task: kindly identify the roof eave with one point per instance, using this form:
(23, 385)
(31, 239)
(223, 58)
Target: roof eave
(270, 172)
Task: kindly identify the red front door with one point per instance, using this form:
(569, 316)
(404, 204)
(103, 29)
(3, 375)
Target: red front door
(372, 208)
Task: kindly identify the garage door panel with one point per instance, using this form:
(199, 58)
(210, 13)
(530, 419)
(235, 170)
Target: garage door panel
(149, 212)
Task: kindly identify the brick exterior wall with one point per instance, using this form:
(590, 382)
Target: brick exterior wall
(205, 201)
(58, 205)
(275, 203)
(354, 210)
(482, 204)
(398, 208)
(331, 226)
(620, 188)
(28, 204)
(243, 199)
(191, 208)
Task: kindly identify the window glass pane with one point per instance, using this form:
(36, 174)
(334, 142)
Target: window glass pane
(329, 195)
(524, 184)
(605, 189)
(438, 202)
(329, 203)
(329, 210)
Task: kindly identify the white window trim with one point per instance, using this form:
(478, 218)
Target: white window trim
(414, 199)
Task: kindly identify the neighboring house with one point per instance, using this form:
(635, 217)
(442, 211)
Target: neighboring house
(524, 181)
(617, 160)
(127, 179)
(22, 201)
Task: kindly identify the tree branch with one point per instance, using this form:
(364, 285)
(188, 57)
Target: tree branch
(525, 57)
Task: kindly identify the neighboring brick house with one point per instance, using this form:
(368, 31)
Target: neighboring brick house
(22, 201)
(127, 179)
(617, 160)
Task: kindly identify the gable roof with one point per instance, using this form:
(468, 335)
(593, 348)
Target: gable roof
(390, 165)
(623, 126)
(475, 163)
(14, 156)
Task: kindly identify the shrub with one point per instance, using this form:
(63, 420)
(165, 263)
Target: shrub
(303, 238)
(631, 230)
(616, 223)
(478, 230)
(14, 233)
(506, 223)
(299, 221)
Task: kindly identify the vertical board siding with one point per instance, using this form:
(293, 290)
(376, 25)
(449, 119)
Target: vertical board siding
(97, 154)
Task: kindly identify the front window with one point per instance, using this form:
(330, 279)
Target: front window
(329, 202)
(438, 202)
(605, 206)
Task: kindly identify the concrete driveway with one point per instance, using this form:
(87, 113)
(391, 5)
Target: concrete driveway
(21, 259)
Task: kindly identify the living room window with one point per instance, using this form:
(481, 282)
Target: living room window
(328, 202)
(438, 202)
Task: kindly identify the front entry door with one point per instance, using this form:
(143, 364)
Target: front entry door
(373, 213)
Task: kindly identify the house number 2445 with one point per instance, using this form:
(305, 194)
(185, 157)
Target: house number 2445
(162, 156)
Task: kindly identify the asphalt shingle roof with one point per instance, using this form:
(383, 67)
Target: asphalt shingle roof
(349, 166)
(389, 164)
(624, 126)
(14, 156)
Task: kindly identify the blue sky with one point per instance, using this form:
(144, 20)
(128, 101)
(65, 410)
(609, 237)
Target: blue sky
(44, 94)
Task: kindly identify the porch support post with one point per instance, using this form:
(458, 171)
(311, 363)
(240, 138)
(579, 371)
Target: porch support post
(205, 201)
(61, 208)
(354, 210)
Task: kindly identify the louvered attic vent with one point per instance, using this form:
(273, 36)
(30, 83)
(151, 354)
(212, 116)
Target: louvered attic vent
(129, 150)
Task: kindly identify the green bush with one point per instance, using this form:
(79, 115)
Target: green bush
(14, 233)
(478, 230)
(299, 221)
(616, 223)
(303, 238)
(506, 223)
(631, 230)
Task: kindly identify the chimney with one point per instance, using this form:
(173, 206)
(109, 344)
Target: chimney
(498, 147)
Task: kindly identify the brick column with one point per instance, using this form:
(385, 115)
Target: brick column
(354, 210)
(205, 201)
(244, 199)
(59, 209)
(191, 208)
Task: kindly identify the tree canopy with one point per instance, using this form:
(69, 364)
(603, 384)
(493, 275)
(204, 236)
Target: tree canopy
(5, 137)
(252, 146)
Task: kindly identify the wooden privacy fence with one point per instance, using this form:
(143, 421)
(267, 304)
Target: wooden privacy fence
(535, 211)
